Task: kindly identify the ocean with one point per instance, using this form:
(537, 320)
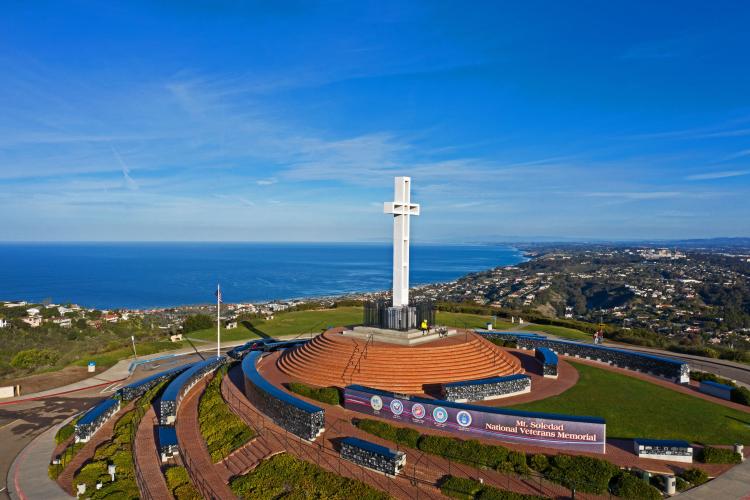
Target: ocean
(146, 275)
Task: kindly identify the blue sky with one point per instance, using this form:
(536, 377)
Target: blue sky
(286, 121)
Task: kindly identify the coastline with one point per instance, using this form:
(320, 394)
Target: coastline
(513, 253)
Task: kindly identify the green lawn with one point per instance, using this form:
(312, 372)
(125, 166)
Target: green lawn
(110, 358)
(465, 320)
(636, 408)
(291, 323)
(560, 331)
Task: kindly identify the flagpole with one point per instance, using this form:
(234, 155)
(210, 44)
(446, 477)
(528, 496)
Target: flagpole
(218, 320)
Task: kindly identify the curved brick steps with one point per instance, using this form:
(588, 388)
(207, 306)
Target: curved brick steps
(332, 359)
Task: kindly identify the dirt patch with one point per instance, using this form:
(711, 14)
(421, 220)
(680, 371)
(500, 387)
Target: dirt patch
(49, 380)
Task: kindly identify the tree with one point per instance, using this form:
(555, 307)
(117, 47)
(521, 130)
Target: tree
(197, 322)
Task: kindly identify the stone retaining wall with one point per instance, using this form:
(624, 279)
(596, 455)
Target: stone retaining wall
(373, 456)
(484, 389)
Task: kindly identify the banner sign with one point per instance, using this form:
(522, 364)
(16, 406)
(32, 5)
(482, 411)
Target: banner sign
(562, 432)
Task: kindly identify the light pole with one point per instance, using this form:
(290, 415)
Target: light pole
(132, 338)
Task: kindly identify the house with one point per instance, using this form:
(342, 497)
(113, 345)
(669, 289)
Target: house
(111, 318)
(33, 311)
(63, 322)
(33, 321)
(15, 304)
(230, 324)
(4, 323)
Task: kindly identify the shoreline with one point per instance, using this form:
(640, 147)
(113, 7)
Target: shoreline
(524, 256)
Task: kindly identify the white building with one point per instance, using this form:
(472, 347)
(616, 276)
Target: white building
(4, 323)
(63, 322)
(33, 321)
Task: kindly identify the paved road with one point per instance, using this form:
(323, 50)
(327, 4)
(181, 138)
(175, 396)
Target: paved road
(28, 419)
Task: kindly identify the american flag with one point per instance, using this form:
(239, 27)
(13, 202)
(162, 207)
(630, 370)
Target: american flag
(218, 293)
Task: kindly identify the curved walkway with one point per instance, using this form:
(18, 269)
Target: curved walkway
(193, 450)
(735, 484)
(28, 478)
(149, 476)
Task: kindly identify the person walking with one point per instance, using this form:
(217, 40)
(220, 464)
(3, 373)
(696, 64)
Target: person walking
(425, 327)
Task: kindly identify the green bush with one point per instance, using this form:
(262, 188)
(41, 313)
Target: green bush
(711, 455)
(741, 395)
(197, 322)
(469, 489)
(66, 431)
(328, 395)
(222, 430)
(178, 482)
(33, 358)
(681, 484)
(539, 462)
(694, 476)
(701, 376)
(587, 474)
(401, 435)
(626, 485)
(459, 487)
(286, 476)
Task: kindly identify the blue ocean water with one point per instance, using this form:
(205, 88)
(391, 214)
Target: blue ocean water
(143, 275)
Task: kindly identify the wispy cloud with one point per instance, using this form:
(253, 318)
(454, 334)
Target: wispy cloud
(717, 175)
(129, 181)
(635, 195)
(266, 182)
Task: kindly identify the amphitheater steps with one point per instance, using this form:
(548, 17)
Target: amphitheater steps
(334, 360)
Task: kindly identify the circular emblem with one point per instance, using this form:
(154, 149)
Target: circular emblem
(417, 411)
(376, 403)
(397, 407)
(463, 418)
(440, 415)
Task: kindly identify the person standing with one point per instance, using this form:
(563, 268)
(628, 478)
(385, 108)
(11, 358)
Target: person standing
(425, 327)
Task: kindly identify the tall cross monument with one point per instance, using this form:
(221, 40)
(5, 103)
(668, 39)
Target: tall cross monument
(402, 209)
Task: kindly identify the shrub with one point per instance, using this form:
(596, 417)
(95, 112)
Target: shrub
(222, 430)
(701, 376)
(681, 484)
(741, 395)
(587, 474)
(33, 358)
(458, 487)
(178, 482)
(711, 455)
(286, 476)
(539, 462)
(66, 431)
(626, 485)
(328, 395)
(401, 435)
(197, 322)
(694, 476)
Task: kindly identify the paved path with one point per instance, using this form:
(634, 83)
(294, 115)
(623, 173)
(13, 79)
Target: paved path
(150, 479)
(29, 470)
(735, 484)
(204, 474)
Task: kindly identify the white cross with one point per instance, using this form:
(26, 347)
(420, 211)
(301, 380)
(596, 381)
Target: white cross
(401, 208)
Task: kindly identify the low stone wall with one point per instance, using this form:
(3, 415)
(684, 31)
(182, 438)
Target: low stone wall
(167, 442)
(138, 389)
(293, 414)
(657, 449)
(722, 391)
(95, 418)
(677, 371)
(484, 389)
(548, 359)
(373, 456)
(179, 387)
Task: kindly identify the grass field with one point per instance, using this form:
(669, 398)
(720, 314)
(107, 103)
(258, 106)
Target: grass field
(110, 358)
(464, 320)
(291, 323)
(636, 408)
(295, 323)
(560, 331)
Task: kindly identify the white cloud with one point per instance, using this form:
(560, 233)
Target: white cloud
(717, 175)
(266, 182)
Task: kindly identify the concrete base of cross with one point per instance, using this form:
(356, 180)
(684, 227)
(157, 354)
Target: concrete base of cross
(407, 338)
